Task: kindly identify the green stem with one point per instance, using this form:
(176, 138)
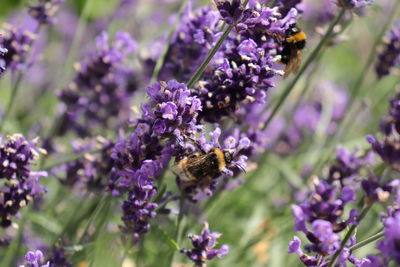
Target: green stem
(367, 241)
(348, 235)
(309, 60)
(178, 226)
(73, 157)
(100, 205)
(161, 59)
(211, 54)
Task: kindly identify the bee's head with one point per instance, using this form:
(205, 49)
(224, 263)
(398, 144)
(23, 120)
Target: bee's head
(228, 155)
(293, 29)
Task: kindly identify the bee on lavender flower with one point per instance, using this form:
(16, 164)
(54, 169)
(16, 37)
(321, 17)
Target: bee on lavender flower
(202, 167)
(293, 44)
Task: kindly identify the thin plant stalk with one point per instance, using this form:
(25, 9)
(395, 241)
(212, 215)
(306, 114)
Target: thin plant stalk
(367, 241)
(178, 226)
(161, 59)
(348, 235)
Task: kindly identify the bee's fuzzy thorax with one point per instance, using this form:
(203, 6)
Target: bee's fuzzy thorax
(221, 158)
(298, 37)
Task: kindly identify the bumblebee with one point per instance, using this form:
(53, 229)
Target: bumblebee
(293, 44)
(202, 167)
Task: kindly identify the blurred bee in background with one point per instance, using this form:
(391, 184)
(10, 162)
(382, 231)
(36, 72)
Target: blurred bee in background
(201, 168)
(293, 44)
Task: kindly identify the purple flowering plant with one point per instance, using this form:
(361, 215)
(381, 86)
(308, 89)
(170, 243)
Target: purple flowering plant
(128, 126)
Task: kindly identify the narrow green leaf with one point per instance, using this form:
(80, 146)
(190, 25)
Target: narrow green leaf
(166, 237)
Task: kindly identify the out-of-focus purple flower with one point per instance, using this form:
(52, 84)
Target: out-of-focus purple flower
(138, 210)
(44, 11)
(329, 242)
(390, 56)
(204, 247)
(389, 148)
(318, 13)
(389, 246)
(376, 190)
(306, 120)
(286, 5)
(3, 51)
(100, 92)
(18, 42)
(91, 171)
(231, 11)
(295, 247)
(57, 257)
(369, 261)
(193, 38)
(348, 164)
(35, 259)
(354, 4)
(326, 203)
(20, 183)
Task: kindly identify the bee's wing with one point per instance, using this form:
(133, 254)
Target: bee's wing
(294, 62)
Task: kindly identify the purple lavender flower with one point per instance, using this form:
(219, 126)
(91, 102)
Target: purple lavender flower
(57, 257)
(90, 171)
(242, 72)
(204, 247)
(390, 56)
(34, 259)
(376, 190)
(286, 5)
(295, 247)
(318, 13)
(18, 42)
(169, 116)
(101, 82)
(20, 183)
(175, 109)
(329, 242)
(389, 245)
(354, 4)
(321, 217)
(348, 165)
(388, 148)
(138, 209)
(44, 11)
(3, 51)
(231, 11)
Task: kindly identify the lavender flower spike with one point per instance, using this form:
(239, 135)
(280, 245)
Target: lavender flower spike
(231, 11)
(203, 247)
(3, 51)
(44, 11)
(20, 183)
(390, 56)
(17, 41)
(389, 245)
